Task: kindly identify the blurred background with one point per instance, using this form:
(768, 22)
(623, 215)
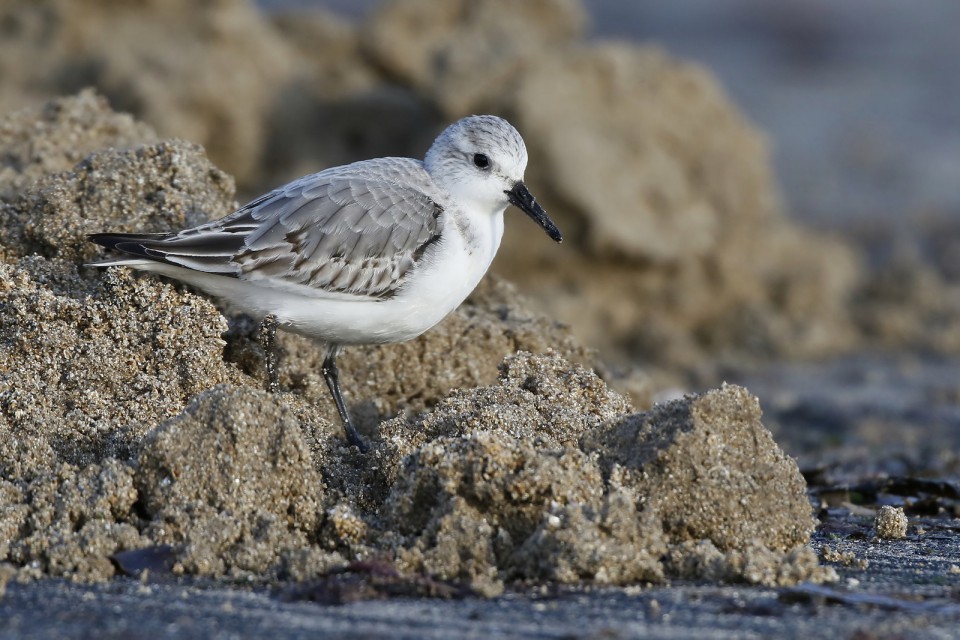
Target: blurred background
(859, 98)
(753, 191)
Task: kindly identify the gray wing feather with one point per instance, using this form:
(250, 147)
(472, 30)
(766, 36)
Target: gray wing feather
(354, 230)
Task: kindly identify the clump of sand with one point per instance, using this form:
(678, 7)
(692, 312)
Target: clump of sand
(530, 479)
(124, 180)
(37, 142)
(150, 64)
(94, 359)
(231, 481)
(708, 465)
(890, 523)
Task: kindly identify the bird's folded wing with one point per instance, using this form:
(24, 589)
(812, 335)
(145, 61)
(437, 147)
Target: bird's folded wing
(333, 233)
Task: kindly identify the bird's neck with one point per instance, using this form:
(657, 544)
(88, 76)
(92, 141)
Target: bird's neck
(481, 232)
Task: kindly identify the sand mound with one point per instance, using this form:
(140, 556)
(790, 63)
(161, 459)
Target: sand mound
(149, 64)
(133, 436)
(232, 481)
(707, 466)
(529, 480)
(59, 135)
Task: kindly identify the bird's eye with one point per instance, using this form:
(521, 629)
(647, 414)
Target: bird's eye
(481, 160)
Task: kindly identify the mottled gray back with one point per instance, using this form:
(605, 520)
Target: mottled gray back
(357, 229)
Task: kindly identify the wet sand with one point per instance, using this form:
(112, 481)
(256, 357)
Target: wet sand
(908, 589)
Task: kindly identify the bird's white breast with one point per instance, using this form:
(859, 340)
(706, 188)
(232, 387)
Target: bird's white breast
(445, 276)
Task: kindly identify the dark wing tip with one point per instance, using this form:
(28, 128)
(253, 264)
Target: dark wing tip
(129, 243)
(108, 240)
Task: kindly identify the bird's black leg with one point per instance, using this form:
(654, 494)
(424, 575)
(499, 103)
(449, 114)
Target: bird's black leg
(268, 335)
(332, 375)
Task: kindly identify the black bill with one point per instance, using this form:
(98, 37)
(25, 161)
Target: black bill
(521, 198)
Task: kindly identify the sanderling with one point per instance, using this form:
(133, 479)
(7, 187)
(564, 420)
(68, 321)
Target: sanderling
(372, 252)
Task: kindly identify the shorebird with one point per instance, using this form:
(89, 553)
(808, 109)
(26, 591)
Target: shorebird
(373, 252)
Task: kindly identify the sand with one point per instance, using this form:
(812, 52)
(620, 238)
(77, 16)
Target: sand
(134, 419)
